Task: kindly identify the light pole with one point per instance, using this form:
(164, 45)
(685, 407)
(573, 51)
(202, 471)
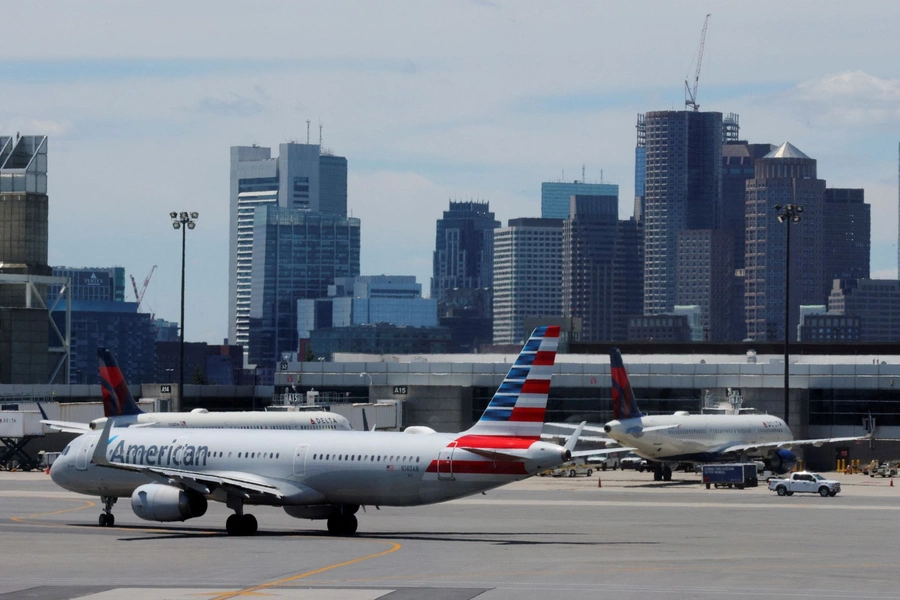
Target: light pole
(789, 213)
(182, 221)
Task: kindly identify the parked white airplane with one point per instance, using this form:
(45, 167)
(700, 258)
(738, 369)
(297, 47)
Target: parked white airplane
(666, 440)
(119, 405)
(170, 473)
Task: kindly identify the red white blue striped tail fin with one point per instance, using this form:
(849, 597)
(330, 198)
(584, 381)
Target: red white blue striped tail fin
(519, 404)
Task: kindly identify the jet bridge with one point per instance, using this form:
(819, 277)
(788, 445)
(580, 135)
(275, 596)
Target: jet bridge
(17, 428)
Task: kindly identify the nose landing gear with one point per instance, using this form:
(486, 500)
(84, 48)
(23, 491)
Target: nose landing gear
(107, 519)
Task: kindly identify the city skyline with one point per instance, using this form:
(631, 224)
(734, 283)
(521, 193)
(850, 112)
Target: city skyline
(468, 101)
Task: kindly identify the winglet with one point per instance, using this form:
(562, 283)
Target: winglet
(43, 414)
(99, 457)
(573, 439)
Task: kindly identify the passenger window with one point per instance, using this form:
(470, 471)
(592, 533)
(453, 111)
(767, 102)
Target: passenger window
(239, 454)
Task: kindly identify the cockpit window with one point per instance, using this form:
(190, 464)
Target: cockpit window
(66, 449)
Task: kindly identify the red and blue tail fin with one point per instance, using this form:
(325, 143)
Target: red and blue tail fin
(117, 398)
(519, 404)
(623, 400)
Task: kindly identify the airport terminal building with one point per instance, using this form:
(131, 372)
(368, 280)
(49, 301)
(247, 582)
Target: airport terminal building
(830, 394)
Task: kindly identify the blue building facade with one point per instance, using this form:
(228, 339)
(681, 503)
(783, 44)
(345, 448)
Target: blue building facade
(555, 196)
(296, 255)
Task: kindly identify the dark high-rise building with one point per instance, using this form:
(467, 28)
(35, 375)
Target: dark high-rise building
(738, 165)
(463, 250)
(601, 282)
(303, 178)
(784, 176)
(848, 235)
(296, 255)
(875, 301)
(682, 189)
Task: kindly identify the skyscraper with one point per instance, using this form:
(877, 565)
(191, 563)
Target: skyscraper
(527, 275)
(601, 283)
(301, 178)
(784, 176)
(555, 195)
(848, 235)
(462, 275)
(463, 254)
(296, 255)
(682, 188)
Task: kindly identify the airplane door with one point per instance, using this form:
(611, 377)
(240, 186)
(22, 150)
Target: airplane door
(445, 462)
(87, 449)
(300, 459)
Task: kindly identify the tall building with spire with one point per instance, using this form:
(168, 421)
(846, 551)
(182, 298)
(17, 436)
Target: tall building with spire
(784, 176)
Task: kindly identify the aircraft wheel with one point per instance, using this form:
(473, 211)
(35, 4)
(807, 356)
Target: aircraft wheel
(342, 525)
(249, 525)
(102, 520)
(111, 520)
(350, 524)
(233, 525)
(667, 474)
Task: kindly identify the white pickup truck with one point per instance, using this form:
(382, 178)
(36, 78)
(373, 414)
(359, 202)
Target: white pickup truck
(804, 481)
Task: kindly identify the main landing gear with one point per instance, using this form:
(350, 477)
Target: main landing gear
(343, 522)
(239, 523)
(107, 519)
(662, 472)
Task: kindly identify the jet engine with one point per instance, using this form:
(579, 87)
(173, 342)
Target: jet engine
(157, 502)
(781, 461)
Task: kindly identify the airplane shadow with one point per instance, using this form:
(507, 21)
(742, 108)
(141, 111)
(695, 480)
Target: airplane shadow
(143, 534)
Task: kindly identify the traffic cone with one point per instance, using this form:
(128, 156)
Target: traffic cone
(600, 482)
(47, 471)
(892, 482)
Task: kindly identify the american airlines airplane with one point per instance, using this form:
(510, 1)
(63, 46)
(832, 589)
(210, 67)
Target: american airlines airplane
(667, 440)
(171, 473)
(119, 405)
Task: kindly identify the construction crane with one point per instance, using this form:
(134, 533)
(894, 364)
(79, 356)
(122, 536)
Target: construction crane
(690, 95)
(139, 295)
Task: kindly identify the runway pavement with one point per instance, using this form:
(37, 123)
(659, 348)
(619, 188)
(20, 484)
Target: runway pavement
(542, 538)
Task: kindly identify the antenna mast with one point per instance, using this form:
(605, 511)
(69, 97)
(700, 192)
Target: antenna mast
(307, 132)
(690, 95)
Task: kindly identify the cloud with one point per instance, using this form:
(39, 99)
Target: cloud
(852, 98)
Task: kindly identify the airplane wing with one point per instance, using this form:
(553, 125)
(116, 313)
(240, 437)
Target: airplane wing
(600, 452)
(787, 444)
(573, 427)
(238, 483)
(67, 426)
(581, 438)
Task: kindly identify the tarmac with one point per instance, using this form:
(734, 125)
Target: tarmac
(613, 535)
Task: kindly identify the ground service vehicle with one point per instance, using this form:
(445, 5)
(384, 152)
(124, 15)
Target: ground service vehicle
(884, 469)
(804, 481)
(572, 470)
(739, 475)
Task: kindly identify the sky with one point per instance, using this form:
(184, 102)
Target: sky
(428, 101)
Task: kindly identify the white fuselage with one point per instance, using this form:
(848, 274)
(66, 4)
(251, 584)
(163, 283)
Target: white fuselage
(308, 468)
(698, 438)
(295, 420)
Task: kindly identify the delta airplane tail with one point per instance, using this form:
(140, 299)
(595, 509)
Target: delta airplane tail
(117, 398)
(519, 404)
(623, 400)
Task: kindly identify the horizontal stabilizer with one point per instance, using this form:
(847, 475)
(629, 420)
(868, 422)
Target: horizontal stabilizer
(67, 426)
